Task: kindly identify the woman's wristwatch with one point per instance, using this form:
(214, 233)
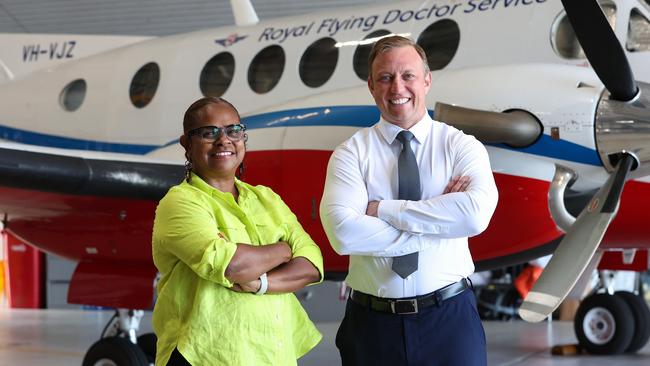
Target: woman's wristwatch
(264, 285)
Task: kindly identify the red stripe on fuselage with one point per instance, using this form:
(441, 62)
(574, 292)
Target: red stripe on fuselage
(79, 227)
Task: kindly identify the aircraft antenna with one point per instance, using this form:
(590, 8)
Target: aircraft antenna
(244, 12)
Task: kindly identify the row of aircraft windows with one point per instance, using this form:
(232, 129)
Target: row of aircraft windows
(440, 41)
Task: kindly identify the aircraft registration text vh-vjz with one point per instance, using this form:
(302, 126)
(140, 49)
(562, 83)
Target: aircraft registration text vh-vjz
(89, 133)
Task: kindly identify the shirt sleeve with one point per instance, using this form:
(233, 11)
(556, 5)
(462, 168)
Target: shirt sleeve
(452, 215)
(302, 245)
(343, 213)
(185, 229)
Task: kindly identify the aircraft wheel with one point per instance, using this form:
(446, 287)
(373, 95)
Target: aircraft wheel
(604, 324)
(147, 343)
(115, 351)
(641, 316)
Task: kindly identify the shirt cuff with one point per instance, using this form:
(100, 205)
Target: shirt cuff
(221, 259)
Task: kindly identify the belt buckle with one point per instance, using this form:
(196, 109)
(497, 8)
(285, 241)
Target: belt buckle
(404, 306)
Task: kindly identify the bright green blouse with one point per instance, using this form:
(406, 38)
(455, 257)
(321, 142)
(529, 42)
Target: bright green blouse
(194, 238)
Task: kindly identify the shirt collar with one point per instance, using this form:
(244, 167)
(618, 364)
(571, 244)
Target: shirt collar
(420, 130)
(201, 185)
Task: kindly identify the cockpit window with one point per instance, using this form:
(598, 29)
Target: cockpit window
(638, 32)
(563, 38)
(72, 96)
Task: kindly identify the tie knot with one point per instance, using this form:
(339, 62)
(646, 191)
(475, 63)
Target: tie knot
(405, 136)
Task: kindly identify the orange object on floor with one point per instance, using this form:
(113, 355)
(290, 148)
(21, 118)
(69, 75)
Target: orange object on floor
(527, 278)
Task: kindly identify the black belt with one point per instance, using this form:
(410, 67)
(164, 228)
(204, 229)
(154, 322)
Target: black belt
(409, 305)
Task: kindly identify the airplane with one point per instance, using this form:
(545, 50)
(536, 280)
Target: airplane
(90, 131)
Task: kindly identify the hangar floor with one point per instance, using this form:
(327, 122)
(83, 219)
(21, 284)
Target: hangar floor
(61, 337)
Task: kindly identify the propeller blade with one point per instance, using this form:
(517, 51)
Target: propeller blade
(576, 248)
(602, 48)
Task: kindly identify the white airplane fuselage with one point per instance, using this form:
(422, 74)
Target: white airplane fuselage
(504, 60)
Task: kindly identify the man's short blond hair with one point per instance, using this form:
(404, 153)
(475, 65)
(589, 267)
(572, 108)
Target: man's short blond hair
(386, 44)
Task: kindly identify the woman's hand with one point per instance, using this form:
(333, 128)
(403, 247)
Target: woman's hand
(250, 261)
(252, 286)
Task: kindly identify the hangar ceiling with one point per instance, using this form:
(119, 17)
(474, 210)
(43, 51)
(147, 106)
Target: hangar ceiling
(141, 17)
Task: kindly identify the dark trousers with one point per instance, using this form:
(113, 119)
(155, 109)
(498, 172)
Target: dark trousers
(450, 334)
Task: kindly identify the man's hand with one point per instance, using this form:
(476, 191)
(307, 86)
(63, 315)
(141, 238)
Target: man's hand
(252, 286)
(373, 206)
(457, 184)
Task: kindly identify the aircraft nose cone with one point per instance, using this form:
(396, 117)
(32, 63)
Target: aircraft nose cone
(625, 127)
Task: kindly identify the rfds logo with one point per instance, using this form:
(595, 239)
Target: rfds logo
(230, 40)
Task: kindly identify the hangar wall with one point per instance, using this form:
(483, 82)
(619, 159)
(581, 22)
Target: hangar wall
(141, 17)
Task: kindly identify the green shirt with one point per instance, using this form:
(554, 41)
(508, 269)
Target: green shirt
(194, 238)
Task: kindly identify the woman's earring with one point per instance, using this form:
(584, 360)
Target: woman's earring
(188, 171)
(242, 168)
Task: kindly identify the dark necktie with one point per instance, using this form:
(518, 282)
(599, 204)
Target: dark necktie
(409, 189)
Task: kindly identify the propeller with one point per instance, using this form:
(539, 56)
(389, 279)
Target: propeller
(602, 48)
(583, 237)
(577, 247)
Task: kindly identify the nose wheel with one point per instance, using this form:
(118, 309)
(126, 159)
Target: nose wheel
(119, 345)
(612, 324)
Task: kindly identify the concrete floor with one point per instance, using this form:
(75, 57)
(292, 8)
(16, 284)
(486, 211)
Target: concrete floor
(61, 337)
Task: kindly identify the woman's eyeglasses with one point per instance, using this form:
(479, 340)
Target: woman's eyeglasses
(211, 134)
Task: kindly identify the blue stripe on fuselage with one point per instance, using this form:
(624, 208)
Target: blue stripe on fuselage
(559, 149)
(41, 139)
(353, 116)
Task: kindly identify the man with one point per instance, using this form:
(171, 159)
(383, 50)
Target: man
(402, 205)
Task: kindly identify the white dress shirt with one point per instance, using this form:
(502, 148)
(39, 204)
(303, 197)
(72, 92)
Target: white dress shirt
(364, 168)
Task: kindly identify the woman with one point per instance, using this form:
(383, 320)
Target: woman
(230, 255)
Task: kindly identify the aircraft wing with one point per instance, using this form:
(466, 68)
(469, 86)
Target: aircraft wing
(106, 175)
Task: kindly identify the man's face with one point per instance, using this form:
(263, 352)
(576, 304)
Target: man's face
(399, 85)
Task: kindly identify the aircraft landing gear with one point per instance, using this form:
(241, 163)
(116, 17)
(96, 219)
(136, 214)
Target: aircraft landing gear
(612, 324)
(147, 343)
(114, 351)
(118, 344)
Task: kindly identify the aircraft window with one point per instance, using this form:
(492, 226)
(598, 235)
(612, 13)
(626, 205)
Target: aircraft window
(73, 95)
(361, 54)
(266, 69)
(318, 62)
(217, 75)
(638, 33)
(440, 42)
(563, 38)
(144, 84)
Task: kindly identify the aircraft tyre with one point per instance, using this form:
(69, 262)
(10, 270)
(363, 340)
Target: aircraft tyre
(641, 316)
(604, 324)
(115, 351)
(147, 343)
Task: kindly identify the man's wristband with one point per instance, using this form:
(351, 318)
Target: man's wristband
(264, 285)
